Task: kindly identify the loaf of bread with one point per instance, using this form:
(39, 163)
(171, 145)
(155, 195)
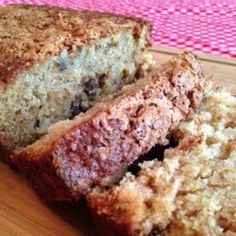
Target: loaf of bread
(191, 192)
(95, 147)
(55, 63)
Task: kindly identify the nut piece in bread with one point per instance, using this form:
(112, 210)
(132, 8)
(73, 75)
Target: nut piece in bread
(192, 192)
(55, 63)
(78, 154)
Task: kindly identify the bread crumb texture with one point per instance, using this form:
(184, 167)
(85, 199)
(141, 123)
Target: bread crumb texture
(192, 192)
(56, 63)
(30, 34)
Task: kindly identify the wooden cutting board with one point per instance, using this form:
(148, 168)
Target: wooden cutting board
(22, 213)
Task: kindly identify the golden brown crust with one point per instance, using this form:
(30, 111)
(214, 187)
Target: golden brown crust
(115, 133)
(31, 34)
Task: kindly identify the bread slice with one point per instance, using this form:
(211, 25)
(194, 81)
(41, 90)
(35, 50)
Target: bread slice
(55, 63)
(191, 192)
(94, 147)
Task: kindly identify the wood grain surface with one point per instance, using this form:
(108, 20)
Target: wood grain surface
(22, 213)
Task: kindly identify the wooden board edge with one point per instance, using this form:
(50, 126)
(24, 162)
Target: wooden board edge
(202, 56)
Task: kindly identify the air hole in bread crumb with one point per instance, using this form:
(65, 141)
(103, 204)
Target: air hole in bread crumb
(36, 124)
(156, 152)
(155, 232)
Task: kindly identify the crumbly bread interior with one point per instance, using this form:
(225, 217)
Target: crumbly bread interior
(66, 85)
(192, 192)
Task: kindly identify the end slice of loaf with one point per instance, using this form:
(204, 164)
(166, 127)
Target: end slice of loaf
(89, 150)
(192, 192)
(56, 63)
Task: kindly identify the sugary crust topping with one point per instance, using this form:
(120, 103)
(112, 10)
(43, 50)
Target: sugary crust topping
(30, 34)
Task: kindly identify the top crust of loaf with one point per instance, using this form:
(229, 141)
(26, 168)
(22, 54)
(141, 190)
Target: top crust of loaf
(31, 34)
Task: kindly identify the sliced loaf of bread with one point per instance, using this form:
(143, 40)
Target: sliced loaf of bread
(56, 63)
(96, 146)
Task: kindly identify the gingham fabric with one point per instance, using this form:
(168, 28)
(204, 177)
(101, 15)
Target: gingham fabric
(202, 25)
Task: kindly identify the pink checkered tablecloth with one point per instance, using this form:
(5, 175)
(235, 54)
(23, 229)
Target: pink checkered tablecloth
(202, 25)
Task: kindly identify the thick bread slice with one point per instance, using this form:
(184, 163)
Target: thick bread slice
(78, 154)
(55, 63)
(192, 192)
